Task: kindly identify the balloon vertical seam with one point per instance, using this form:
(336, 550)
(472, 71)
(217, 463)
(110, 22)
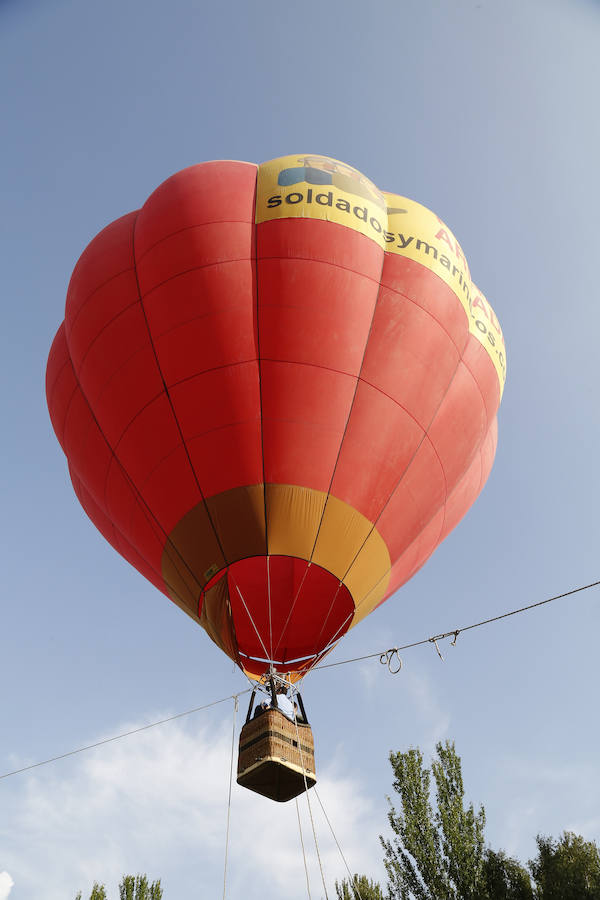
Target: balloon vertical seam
(169, 398)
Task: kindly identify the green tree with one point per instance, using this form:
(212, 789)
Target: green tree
(132, 887)
(360, 888)
(434, 854)
(566, 869)
(139, 888)
(98, 892)
(505, 878)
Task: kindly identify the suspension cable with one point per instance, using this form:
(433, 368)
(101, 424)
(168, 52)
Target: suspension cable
(235, 708)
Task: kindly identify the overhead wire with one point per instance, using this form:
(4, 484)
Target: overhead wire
(454, 632)
(117, 737)
(384, 655)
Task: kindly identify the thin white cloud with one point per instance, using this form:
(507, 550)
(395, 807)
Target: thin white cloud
(544, 798)
(420, 692)
(6, 883)
(157, 802)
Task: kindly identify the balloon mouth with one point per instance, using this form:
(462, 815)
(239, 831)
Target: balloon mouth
(276, 610)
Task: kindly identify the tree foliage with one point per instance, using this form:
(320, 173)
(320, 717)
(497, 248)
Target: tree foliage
(359, 888)
(98, 892)
(139, 888)
(505, 878)
(436, 854)
(566, 869)
(132, 887)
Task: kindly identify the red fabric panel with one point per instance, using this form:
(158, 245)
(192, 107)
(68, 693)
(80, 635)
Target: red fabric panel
(134, 385)
(194, 251)
(219, 191)
(191, 249)
(416, 550)
(315, 313)
(110, 351)
(481, 367)
(317, 289)
(108, 255)
(472, 482)
(218, 331)
(201, 295)
(416, 553)
(227, 457)
(60, 383)
(173, 473)
(379, 445)
(219, 415)
(410, 357)
(102, 307)
(106, 527)
(460, 425)
(317, 240)
(304, 411)
(417, 496)
(423, 287)
(151, 436)
(308, 608)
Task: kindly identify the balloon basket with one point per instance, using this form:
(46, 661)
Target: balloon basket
(276, 757)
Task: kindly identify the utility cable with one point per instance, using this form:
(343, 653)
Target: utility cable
(386, 656)
(118, 737)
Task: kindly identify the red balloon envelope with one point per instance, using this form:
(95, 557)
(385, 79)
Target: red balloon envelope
(276, 388)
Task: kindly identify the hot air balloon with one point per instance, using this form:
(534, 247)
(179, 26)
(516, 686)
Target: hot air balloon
(276, 387)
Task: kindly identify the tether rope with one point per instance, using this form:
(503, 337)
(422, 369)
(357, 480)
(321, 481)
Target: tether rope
(454, 632)
(303, 850)
(384, 656)
(235, 707)
(117, 737)
(351, 877)
(312, 821)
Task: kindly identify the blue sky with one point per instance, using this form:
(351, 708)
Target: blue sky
(486, 113)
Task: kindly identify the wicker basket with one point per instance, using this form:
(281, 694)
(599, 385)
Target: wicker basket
(272, 761)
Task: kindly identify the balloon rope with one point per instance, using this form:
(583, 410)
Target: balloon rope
(235, 707)
(312, 821)
(303, 850)
(269, 599)
(357, 894)
(117, 737)
(250, 617)
(455, 631)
